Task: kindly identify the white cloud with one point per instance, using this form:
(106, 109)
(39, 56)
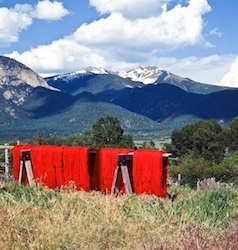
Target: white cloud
(130, 9)
(215, 32)
(59, 57)
(230, 79)
(208, 69)
(120, 43)
(171, 29)
(14, 20)
(50, 10)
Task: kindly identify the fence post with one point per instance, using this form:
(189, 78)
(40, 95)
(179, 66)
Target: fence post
(6, 163)
(179, 179)
(198, 184)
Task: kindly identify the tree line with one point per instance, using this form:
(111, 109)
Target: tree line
(205, 149)
(105, 132)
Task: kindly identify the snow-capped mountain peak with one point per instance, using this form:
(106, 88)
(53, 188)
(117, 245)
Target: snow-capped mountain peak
(77, 74)
(144, 74)
(94, 70)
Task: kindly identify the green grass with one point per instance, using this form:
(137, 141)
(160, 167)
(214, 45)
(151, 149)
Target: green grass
(37, 218)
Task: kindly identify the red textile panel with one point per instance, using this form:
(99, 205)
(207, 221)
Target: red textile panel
(47, 161)
(149, 172)
(105, 165)
(16, 155)
(59, 167)
(76, 167)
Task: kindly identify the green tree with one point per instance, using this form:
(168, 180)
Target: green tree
(191, 170)
(126, 141)
(232, 135)
(228, 171)
(39, 139)
(107, 132)
(148, 144)
(84, 140)
(205, 138)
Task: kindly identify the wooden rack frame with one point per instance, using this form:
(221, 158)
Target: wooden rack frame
(26, 167)
(122, 168)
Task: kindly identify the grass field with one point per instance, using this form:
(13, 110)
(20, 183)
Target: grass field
(37, 218)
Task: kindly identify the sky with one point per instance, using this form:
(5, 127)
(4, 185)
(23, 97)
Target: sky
(191, 38)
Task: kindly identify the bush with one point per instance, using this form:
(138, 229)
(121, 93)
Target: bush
(229, 168)
(17, 193)
(216, 206)
(191, 170)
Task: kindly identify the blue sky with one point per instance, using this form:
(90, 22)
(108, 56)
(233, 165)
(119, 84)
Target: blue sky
(192, 38)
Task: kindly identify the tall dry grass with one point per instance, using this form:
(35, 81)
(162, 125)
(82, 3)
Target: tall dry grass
(36, 218)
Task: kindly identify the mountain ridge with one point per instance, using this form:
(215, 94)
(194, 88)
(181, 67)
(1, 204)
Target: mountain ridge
(66, 104)
(138, 77)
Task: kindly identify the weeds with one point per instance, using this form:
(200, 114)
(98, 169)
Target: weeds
(16, 193)
(36, 218)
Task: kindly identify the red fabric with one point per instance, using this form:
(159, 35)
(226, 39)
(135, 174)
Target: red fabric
(149, 172)
(104, 168)
(16, 154)
(58, 165)
(76, 167)
(45, 161)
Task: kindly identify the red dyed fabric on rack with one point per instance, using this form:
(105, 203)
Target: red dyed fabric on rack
(76, 167)
(104, 168)
(58, 166)
(58, 161)
(149, 172)
(16, 155)
(46, 161)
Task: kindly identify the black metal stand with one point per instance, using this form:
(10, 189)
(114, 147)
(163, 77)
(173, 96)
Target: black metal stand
(26, 168)
(122, 168)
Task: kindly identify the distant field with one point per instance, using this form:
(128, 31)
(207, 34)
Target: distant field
(37, 218)
(158, 143)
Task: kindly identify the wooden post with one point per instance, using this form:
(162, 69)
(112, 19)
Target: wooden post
(122, 168)
(179, 179)
(6, 163)
(26, 167)
(198, 184)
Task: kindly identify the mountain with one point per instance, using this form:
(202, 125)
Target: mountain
(169, 99)
(163, 101)
(155, 75)
(148, 101)
(24, 91)
(97, 81)
(17, 82)
(110, 85)
(29, 105)
(13, 73)
(76, 116)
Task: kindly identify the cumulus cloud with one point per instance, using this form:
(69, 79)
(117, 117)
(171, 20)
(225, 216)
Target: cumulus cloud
(14, 20)
(208, 69)
(230, 79)
(170, 29)
(122, 39)
(59, 57)
(50, 10)
(130, 9)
